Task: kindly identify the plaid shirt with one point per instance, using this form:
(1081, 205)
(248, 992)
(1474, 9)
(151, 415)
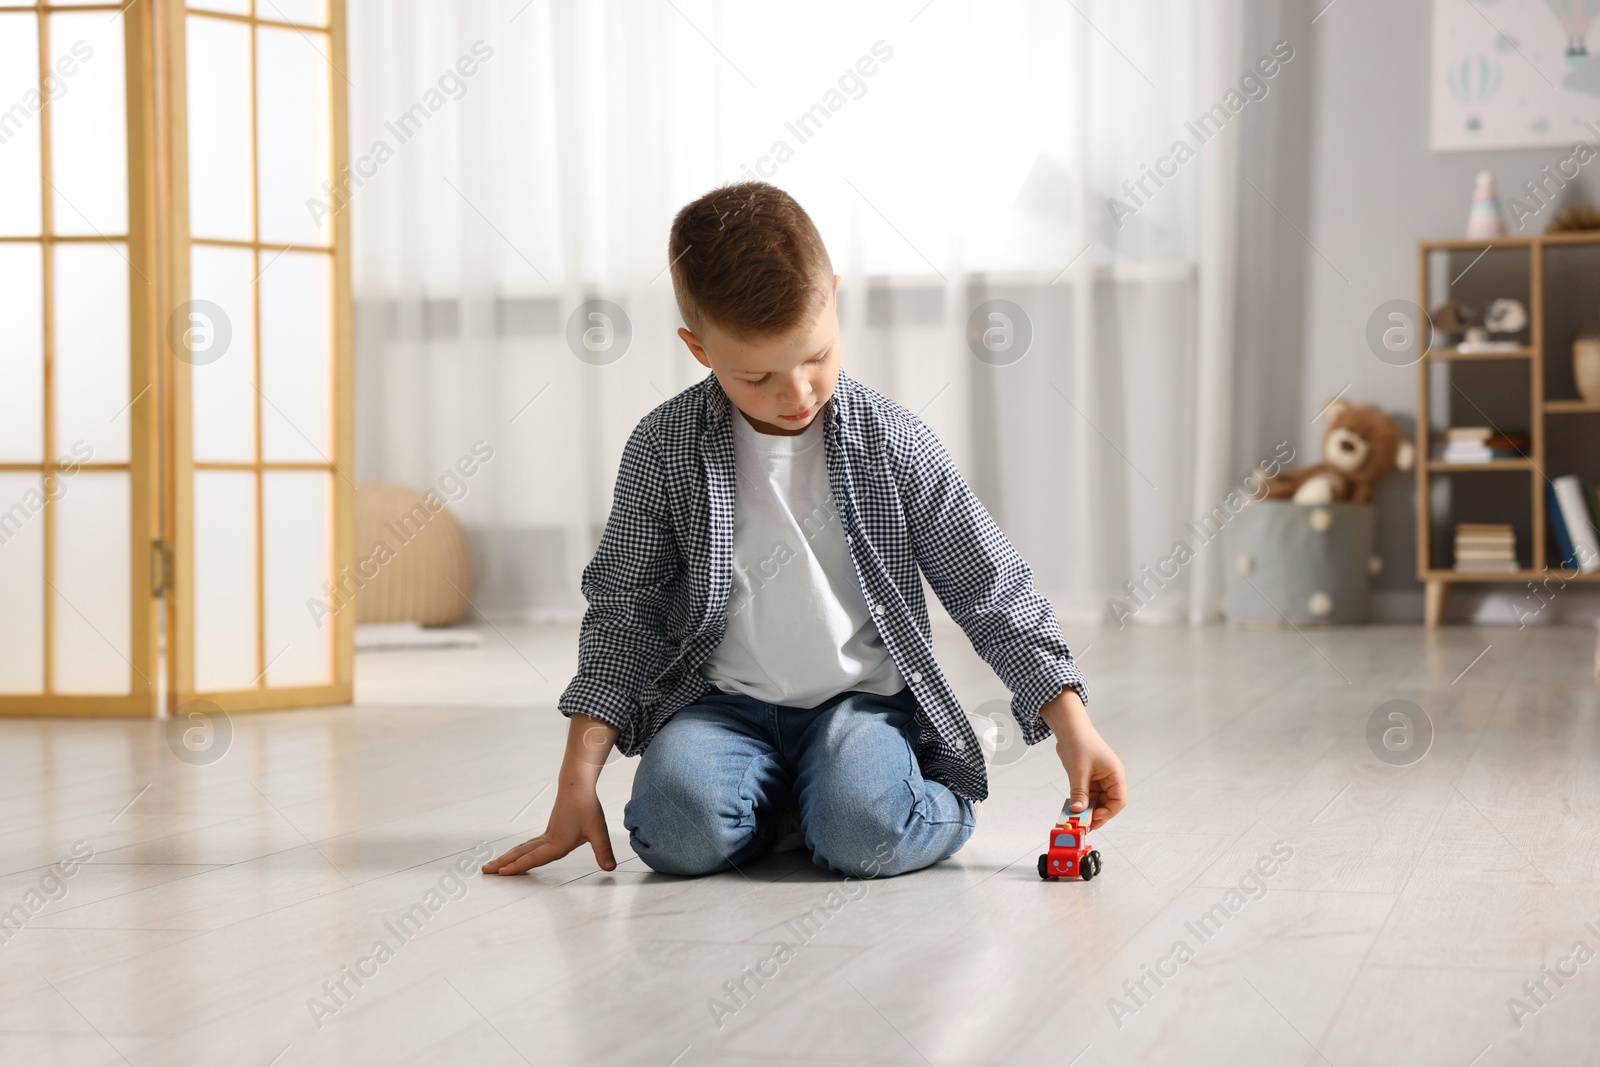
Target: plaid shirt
(659, 582)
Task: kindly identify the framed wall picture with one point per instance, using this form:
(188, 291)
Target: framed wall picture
(1515, 73)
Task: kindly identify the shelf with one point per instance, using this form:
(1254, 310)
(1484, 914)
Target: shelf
(1456, 353)
(1572, 406)
(1482, 242)
(1492, 465)
(1572, 237)
(1447, 574)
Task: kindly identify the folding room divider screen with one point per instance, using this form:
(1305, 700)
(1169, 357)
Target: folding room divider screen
(175, 388)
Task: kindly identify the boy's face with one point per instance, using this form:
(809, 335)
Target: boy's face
(780, 383)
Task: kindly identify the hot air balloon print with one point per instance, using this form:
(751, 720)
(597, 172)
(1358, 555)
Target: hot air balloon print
(1575, 17)
(1475, 79)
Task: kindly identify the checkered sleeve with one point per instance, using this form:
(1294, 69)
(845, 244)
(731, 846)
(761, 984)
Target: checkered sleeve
(623, 641)
(985, 584)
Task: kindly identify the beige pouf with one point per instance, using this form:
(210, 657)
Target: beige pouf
(412, 559)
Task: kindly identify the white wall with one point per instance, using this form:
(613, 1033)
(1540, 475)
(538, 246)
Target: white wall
(1374, 190)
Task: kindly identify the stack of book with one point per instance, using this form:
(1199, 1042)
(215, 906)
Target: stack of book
(1486, 548)
(1574, 513)
(1480, 444)
(1468, 348)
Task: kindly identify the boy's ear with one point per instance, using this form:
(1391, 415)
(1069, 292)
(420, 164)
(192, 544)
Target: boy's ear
(695, 347)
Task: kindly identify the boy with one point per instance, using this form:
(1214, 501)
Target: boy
(756, 627)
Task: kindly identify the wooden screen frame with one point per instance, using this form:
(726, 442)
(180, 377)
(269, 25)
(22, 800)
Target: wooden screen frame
(144, 412)
(179, 451)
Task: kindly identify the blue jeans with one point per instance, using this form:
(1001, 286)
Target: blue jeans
(726, 777)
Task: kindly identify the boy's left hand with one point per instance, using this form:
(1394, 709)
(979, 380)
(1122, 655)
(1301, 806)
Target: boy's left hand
(1097, 778)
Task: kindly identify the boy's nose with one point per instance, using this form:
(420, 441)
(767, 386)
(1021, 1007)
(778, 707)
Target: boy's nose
(798, 393)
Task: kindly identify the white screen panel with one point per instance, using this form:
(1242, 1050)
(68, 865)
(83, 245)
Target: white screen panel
(304, 12)
(296, 507)
(90, 381)
(19, 125)
(88, 126)
(223, 353)
(292, 132)
(22, 366)
(218, 66)
(231, 7)
(21, 583)
(296, 355)
(91, 642)
(224, 580)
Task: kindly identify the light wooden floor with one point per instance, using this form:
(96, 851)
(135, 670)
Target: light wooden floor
(1418, 900)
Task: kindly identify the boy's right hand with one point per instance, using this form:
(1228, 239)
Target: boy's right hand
(577, 816)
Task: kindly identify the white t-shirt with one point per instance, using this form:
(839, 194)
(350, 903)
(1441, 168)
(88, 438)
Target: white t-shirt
(799, 630)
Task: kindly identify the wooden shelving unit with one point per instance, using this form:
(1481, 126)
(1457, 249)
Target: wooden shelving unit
(1518, 262)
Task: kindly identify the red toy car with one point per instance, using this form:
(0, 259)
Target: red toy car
(1070, 853)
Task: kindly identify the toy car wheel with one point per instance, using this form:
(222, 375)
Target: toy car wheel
(1095, 857)
(1086, 869)
(1043, 873)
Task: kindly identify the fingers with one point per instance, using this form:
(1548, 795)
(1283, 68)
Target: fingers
(600, 841)
(1078, 781)
(512, 855)
(526, 856)
(1111, 795)
(538, 857)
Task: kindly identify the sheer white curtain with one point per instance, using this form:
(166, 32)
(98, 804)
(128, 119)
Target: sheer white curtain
(951, 152)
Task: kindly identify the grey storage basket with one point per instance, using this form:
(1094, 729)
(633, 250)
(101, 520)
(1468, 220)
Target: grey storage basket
(1298, 564)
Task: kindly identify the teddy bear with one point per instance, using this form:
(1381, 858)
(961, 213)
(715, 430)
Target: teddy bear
(1360, 446)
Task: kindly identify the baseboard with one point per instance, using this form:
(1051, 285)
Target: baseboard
(1471, 603)
(529, 616)
(1488, 605)
(1398, 605)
